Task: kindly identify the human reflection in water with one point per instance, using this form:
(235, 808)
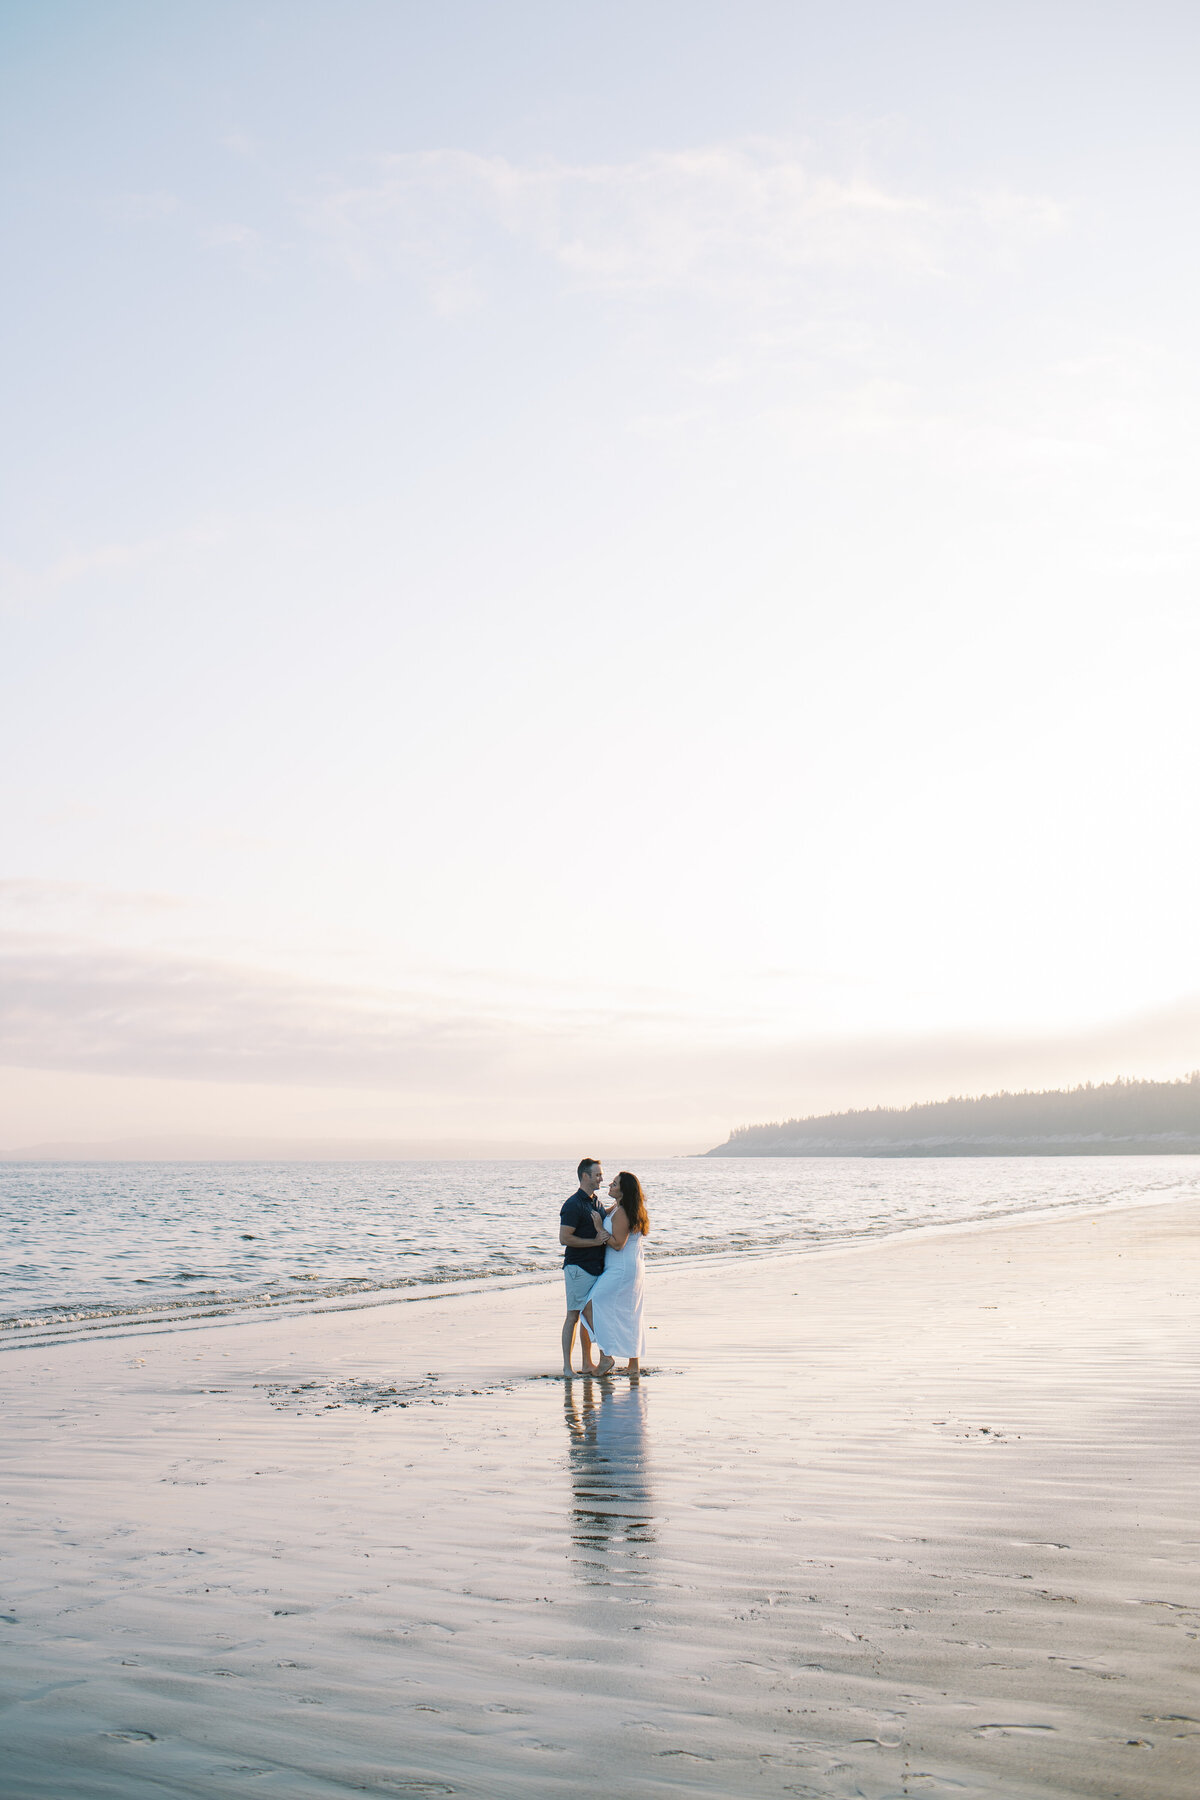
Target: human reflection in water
(613, 1515)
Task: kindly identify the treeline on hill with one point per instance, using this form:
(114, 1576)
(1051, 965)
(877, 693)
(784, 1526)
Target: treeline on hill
(1127, 1110)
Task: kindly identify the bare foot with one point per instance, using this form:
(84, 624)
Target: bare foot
(605, 1365)
(568, 1373)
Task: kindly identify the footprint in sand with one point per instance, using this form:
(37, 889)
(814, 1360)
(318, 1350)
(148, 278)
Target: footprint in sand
(1006, 1730)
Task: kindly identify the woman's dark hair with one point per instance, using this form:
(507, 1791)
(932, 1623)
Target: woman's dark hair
(633, 1202)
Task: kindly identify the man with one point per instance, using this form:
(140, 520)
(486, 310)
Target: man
(583, 1259)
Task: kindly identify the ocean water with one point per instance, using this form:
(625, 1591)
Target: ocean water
(87, 1246)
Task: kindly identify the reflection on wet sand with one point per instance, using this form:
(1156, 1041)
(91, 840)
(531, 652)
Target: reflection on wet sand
(613, 1513)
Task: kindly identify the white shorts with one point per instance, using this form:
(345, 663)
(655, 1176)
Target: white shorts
(580, 1283)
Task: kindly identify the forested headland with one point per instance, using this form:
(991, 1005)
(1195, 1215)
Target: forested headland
(1114, 1118)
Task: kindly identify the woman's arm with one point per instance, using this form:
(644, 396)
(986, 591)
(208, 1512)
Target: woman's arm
(616, 1232)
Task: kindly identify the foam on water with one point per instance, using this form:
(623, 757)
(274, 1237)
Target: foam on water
(86, 1244)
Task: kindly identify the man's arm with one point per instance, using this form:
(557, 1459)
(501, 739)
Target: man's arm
(573, 1215)
(567, 1235)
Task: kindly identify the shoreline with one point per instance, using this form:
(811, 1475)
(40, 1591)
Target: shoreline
(910, 1514)
(112, 1324)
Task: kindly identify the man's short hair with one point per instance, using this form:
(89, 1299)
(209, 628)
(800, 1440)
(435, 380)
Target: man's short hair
(589, 1162)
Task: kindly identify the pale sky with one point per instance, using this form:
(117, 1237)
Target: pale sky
(590, 573)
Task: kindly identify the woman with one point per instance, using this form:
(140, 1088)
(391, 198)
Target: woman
(614, 1308)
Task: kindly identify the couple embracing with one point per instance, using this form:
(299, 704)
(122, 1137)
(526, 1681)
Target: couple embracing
(602, 1267)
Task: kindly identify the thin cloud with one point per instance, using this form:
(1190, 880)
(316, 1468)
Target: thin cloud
(127, 1012)
(22, 586)
(104, 1010)
(142, 209)
(744, 221)
(254, 253)
(31, 903)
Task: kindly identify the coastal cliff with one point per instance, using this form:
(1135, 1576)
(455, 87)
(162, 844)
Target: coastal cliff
(1116, 1118)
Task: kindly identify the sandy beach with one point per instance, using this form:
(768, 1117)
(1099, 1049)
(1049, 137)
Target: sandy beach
(917, 1517)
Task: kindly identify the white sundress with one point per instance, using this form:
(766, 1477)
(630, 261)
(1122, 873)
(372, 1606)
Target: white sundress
(616, 1300)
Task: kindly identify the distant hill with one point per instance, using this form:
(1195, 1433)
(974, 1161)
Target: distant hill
(1118, 1118)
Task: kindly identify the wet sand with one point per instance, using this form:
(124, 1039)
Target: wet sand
(915, 1518)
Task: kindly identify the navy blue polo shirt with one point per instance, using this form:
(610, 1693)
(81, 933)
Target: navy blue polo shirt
(577, 1214)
